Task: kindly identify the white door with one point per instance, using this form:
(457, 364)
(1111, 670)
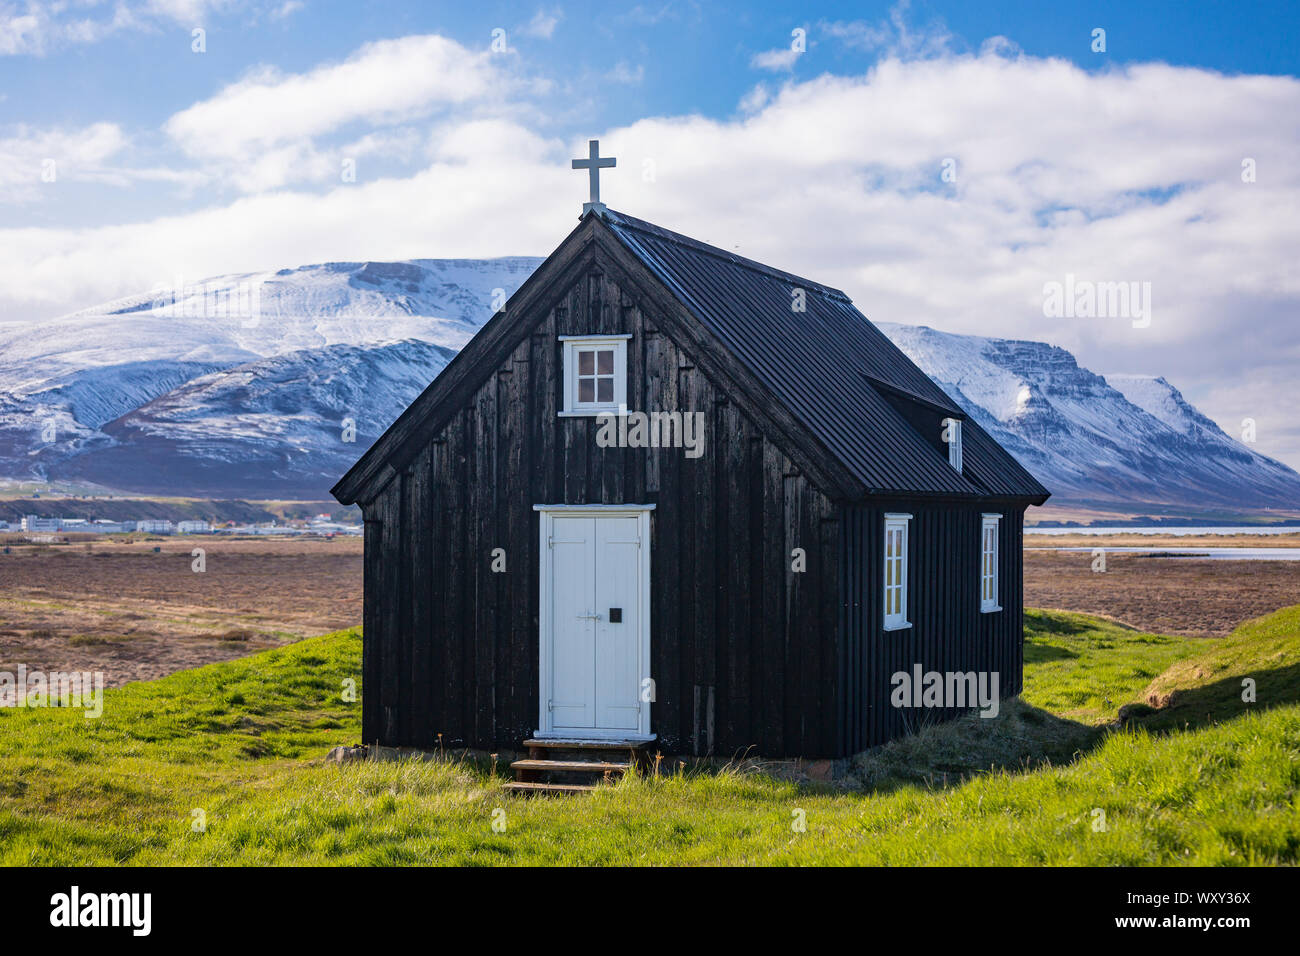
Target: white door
(594, 604)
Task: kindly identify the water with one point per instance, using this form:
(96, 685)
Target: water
(1209, 554)
(1175, 532)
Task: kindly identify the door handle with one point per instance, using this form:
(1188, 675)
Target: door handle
(589, 617)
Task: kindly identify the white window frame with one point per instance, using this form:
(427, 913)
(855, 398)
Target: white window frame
(895, 612)
(572, 345)
(954, 444)
(990, 534)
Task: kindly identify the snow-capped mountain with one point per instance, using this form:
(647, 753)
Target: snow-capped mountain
(291, 423)
(101, 394)
(1093, 439)
(252, 385)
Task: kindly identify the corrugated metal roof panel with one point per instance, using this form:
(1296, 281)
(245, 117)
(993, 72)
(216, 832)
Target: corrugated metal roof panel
(818, 362)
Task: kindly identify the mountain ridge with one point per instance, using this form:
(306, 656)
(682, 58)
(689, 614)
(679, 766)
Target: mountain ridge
(240, 385)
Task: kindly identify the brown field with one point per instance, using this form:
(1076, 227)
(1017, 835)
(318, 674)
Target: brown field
(1164, 595)
(1290, 539)
(135, 614)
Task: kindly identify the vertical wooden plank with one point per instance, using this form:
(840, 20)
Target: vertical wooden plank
(390, 658)
(482, 524)
(689, 531)
(419, 532)
(372, 622)
(670, 713)
(520, 582)
(460, 638)
(827, 706)
(792, 696)
(444, 650)
(752, 645)
(776, 565)
(732, 452)
(507, 450)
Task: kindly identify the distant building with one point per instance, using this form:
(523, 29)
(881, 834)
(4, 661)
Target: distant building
(154, 526)
(193, 527)
(104, 526)
(34, 523)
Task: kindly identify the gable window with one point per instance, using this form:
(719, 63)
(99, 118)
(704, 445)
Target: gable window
(896, 571)
(989, 563)
(952, 435)
(595, 373)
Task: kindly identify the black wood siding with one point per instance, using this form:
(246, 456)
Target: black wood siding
(948, 632)
(745, 652)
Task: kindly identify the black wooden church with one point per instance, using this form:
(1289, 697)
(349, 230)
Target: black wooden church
(671, 494)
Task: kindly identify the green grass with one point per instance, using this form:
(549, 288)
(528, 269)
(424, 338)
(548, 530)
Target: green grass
(242, 742)
(1210, 688)
(1085, 668)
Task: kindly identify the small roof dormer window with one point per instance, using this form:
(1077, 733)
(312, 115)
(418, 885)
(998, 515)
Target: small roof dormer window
(952, 437)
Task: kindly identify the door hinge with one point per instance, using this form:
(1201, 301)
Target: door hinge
(550, 705)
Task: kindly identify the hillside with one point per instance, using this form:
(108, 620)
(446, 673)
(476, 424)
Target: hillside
(239, 747)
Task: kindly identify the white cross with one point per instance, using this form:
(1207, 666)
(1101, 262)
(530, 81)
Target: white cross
(594, 164)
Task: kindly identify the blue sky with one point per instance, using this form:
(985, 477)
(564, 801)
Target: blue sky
(1122, 165)
(611, 63)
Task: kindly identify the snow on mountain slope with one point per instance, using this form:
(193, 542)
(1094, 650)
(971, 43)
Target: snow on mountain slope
(73, 375)
(238, 318)
(277, 424)
(1156, 396)
(1085, 438)
(199, 393)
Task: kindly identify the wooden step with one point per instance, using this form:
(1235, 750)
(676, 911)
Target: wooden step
(522, 786)
(572, 766)
(549, 743)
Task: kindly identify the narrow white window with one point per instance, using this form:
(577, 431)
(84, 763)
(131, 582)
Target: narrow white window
(595, 374)
(896, 571)
(989, 563)
(952, 435)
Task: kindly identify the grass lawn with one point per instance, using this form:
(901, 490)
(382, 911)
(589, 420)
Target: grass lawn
(1195, 776)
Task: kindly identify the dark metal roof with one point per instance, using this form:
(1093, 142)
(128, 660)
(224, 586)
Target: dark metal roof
(821, 364)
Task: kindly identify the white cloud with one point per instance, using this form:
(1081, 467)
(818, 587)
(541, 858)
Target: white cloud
(626, 74)
(184, 12)
(1129, 174)
(543, 24)
(385, 81)
(778, 60)
(895, 37)
(75, 155)
(35, 28)
(287, 9)
(755, 99)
